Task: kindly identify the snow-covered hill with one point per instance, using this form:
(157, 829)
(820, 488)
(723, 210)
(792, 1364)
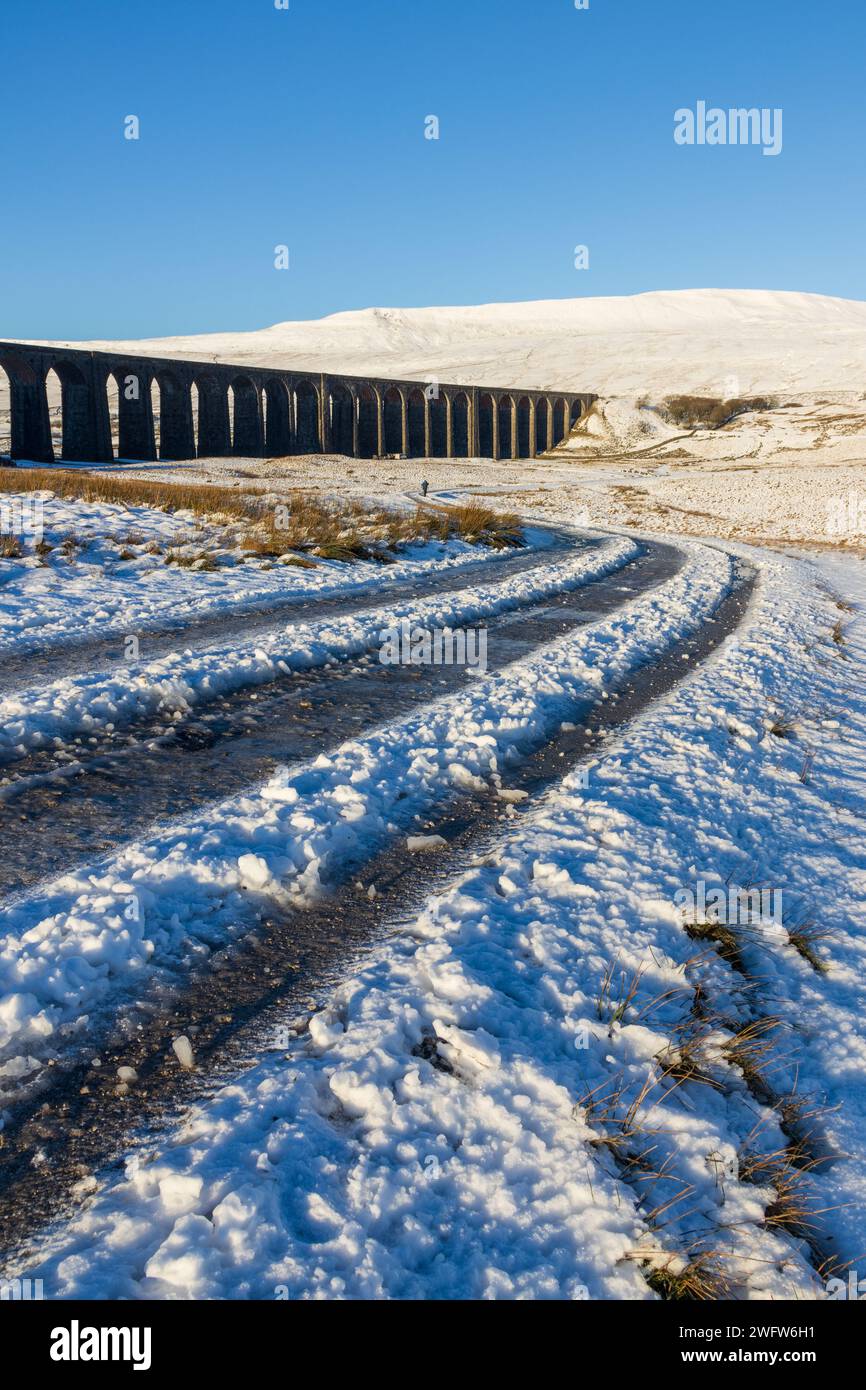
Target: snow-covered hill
(716, 342)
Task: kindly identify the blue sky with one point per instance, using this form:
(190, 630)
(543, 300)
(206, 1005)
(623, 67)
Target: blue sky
(305, 127)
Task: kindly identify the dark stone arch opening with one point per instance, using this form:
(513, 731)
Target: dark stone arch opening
(230, 402)
(368, 423)
(506, 427)
(542, 418)
(342, 420)
(523, 432)
(417, 408)
(438, 428)
(247, 423)
(28, 426)
(460, 426)
(560, 415)
(193, 410)
(485, 426)
(574, 414)
(308, 438)
(393, 405)
(277, 419)
(135, 433)
(176, 431)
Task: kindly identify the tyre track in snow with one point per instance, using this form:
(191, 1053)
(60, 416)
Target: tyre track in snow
(57, 817)
(233, 1009)
(25, 667)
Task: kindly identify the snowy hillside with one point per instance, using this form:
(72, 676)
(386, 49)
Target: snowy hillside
(719, 342)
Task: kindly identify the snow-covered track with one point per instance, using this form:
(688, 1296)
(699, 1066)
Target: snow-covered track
(298, 950)
(47, 716)
(180, 761)
(34, 662)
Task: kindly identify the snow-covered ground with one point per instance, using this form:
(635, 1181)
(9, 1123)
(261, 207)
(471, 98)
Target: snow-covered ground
(807, 493)
(605, 1087)
(106, 571)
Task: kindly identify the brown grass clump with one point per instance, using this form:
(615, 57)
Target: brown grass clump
(299, 562)
(783, 727)
(791, 1209)
(341, 530)
(720, 936)
(201, 561)
(691, 412)
(683, 1061)
(805, 937)
(751, 1050)
(481, 526)
(699, 1280)
(99, 487)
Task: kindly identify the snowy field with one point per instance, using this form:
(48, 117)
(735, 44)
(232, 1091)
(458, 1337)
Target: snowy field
(815, 495)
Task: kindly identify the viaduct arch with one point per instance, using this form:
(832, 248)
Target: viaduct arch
(260, 412)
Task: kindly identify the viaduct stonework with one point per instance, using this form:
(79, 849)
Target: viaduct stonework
(259, 412)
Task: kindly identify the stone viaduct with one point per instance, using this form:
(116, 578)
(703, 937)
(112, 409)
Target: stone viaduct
(172, 409)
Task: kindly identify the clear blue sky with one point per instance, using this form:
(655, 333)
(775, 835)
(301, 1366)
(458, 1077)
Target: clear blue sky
(306, 127)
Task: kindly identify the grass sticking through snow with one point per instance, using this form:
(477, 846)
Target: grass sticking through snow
(275, 526)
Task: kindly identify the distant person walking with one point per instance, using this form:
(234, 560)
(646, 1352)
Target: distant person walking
(424, 487)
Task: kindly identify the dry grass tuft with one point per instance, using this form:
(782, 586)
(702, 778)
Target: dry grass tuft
(691, 412)
(201, 561)
(614, 1000)
(722, 938)
(805, 937)
(299, 562)
(683, 1061)
(480, 526)
(791, 1209)
(206, 499)
(750, 1049)
(783, 727)
(698, 1280)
